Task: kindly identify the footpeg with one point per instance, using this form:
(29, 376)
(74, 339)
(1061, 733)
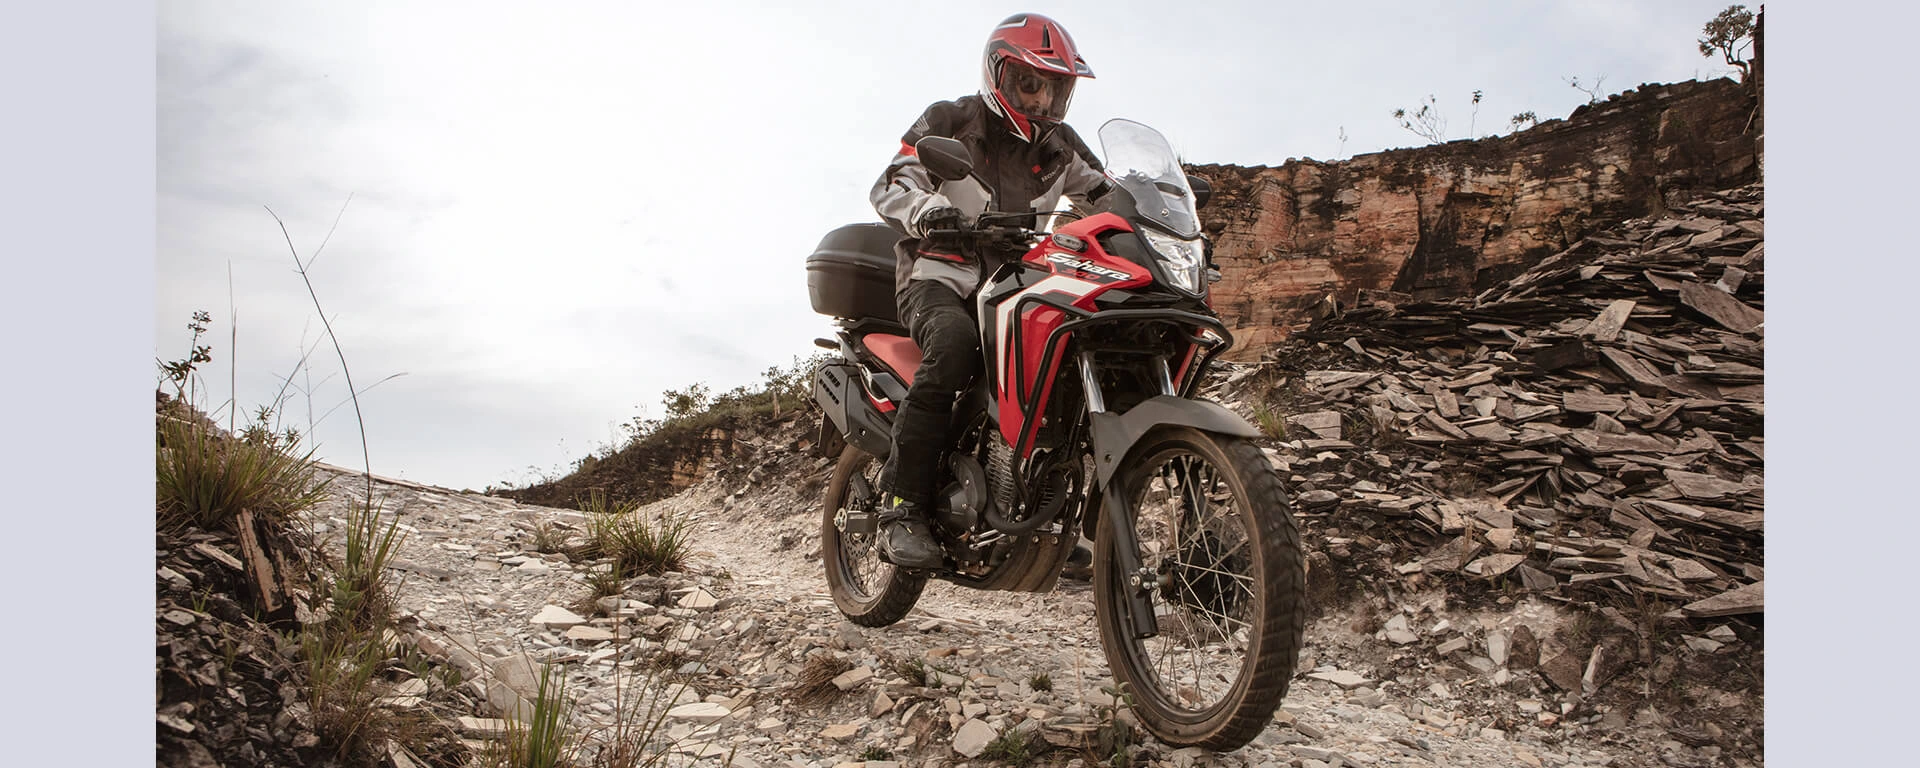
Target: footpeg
(856, 522)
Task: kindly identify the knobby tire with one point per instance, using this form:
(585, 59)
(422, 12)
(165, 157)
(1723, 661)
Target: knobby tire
(1272, 593)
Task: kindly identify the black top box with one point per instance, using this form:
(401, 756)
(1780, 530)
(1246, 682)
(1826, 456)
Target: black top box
(851, 273)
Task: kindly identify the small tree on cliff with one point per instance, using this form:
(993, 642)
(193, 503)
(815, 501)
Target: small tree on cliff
(1425, 123)
(1592, 91)
(1729, 34)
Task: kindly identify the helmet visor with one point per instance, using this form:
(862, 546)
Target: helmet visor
(1037, 94)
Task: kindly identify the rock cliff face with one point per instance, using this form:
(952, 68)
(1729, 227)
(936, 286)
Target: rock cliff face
(1450, 219)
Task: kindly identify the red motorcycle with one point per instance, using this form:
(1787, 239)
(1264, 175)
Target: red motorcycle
(1085, 422)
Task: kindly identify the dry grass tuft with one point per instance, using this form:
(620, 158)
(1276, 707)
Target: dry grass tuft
(637, 546)
(204, 479)
(814, 686)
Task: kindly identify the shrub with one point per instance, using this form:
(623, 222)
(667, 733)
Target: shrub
(1115, 739)
(549, 538)
(652, 547)
(342, 672)
(1019, 748)
(1271, 420)
(543, 741)
(636, 545)
(696, 409)
(205, 478)
(181, 372)
(914, 671)
(597, 505)
(362, 595)
(602, 517)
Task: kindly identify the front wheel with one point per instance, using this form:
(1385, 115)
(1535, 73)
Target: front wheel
(1222, 565)
(869, 590)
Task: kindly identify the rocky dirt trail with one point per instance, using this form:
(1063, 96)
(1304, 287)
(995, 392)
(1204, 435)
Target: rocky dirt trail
(760, 669)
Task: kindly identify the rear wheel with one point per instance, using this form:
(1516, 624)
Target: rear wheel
(1227, 586)
(869, 590)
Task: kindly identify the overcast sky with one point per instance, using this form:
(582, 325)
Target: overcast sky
(560, 211)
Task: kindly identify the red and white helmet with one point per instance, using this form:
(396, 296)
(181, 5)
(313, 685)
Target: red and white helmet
(1028, 73)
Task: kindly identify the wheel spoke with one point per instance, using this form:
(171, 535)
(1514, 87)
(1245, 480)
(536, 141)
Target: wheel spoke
(872, 568)
(1222, 627)
(1208, 568)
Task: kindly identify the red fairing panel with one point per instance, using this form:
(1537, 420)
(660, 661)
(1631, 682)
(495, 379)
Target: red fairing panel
(1078, 279)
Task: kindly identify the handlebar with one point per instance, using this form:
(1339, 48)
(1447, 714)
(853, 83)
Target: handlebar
(983, 235)
(987, 231)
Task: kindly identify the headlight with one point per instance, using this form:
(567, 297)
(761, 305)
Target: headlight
(1185, 259)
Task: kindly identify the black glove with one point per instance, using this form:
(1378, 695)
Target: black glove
(939, 217)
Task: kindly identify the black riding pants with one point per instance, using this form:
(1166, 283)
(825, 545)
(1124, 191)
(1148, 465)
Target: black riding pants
(949, 340)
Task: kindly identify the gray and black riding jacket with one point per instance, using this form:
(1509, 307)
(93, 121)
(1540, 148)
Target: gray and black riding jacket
(1020, 177)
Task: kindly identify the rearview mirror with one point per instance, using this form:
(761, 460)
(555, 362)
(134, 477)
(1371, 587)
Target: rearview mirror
(1202, 190)
(946, 158)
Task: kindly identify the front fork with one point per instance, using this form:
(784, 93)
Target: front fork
(1137, 582)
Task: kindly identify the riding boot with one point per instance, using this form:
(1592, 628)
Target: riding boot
(906, 540)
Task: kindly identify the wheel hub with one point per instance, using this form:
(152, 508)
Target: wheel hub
(1201, 576)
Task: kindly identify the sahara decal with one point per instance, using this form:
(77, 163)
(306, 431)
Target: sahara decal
(1083, 265)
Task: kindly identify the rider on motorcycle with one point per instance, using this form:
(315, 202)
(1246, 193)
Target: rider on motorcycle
(1025, 160)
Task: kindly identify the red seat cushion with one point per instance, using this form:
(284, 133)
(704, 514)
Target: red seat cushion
(898, 352)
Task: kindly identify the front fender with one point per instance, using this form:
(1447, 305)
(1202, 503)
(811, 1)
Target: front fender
(1114, 434)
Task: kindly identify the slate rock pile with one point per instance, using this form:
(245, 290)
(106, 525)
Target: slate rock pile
(1593, 426)
(227, 695)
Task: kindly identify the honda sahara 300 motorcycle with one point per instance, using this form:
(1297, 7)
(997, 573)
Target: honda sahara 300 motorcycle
(1085, 421)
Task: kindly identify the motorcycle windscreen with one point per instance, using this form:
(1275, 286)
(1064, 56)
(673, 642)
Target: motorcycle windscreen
(1141, 162)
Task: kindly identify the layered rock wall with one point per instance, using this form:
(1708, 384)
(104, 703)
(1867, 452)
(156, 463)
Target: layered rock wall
(1450, 219)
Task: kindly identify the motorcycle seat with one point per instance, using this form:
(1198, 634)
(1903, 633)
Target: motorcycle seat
(897, 353)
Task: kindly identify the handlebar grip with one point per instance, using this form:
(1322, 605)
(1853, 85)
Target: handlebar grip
(989, 235)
